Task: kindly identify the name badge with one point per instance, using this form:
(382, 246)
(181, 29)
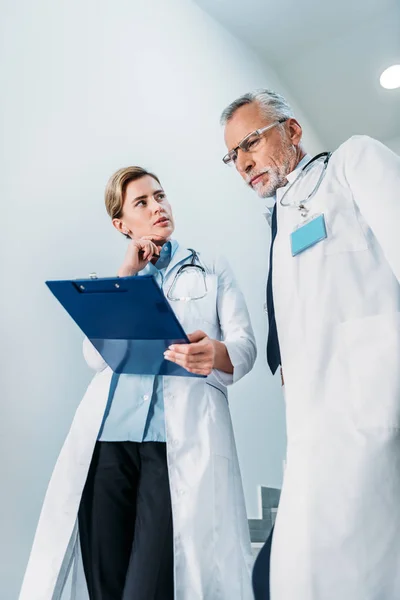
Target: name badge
(308, 234)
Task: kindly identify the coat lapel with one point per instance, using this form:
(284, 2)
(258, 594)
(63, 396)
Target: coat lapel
(180, 255)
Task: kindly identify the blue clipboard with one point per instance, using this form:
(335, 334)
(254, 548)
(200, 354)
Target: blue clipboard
(128, 320)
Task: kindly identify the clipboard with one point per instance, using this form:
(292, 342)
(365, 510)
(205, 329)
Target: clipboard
(128, 320)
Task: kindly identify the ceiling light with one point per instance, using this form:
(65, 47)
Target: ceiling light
(390, 78)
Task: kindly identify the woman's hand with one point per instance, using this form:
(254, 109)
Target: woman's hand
(201, 356)
(197, 357)
(139, 253)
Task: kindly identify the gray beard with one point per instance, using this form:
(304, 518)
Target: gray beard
(277, 177)
(275, 182)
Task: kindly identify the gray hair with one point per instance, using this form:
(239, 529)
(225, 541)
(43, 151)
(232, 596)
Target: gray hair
(272, 104)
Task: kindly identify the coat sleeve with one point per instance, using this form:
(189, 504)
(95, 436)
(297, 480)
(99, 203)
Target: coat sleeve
(236, 330)
(372, 172)
(92, 357)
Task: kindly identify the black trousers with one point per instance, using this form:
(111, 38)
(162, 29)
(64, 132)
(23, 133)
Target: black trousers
(261, 571)
(125, 523)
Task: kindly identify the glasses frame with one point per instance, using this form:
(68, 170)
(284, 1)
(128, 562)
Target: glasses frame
(232, 155)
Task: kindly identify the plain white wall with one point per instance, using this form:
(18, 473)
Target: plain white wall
(89, 87)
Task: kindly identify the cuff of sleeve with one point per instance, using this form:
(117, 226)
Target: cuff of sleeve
(229, 378)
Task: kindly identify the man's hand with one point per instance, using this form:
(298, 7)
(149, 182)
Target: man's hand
(197, 357)
(138, 255)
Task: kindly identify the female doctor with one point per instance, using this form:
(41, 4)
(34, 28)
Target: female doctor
(146, 500)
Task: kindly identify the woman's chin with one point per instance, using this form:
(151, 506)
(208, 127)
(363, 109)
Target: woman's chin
(164, 231)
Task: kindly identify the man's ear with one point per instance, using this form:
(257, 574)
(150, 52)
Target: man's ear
(295, 131)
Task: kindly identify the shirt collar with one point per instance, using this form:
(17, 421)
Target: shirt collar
(292, 176)
(167, 252)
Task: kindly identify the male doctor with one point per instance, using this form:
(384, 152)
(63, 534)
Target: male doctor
(333, 299)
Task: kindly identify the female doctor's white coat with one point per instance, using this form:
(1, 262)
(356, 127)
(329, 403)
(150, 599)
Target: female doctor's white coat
(337, 534)
(212, 553)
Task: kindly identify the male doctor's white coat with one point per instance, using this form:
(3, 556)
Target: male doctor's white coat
(337, 534)
(212, 553)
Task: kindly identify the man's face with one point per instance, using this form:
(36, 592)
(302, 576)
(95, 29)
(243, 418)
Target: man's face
(266, 164)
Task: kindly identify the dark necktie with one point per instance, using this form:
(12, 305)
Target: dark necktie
(273, 351)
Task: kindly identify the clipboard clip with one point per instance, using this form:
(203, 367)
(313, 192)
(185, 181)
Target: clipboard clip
(96, 285)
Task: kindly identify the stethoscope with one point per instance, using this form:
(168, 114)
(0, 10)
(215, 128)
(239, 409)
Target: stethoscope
(301, 205)
(192, 265)
(199, 269)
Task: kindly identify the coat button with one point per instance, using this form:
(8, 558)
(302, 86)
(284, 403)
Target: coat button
(146, 397)
(181, 492)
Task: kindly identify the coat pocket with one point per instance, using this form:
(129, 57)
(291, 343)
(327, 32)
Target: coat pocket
(220, 423)
(199, 310)
(372, 354)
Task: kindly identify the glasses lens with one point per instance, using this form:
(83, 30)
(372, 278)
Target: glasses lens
(230, 158)
(189, 284)
(250, 142)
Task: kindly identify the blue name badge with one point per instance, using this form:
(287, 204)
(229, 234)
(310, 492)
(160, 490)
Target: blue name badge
(308, 235)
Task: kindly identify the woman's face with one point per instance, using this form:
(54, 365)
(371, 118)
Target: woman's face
(146, 211)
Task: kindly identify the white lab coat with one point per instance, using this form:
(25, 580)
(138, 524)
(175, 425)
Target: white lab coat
(337, 534)
(212, 553)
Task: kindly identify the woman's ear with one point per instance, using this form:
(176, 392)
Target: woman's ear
(121, 227)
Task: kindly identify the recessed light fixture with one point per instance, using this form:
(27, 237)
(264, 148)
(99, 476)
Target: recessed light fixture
(390, 78)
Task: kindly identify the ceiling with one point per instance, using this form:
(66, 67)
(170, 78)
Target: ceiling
(328, 55)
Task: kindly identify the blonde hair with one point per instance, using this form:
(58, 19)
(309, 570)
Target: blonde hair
(116, 187)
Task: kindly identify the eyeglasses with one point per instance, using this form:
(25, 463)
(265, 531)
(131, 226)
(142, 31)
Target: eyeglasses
(249, 143)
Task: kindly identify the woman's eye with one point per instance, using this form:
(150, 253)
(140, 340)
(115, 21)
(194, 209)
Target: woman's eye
(141, 203)
(161, 197)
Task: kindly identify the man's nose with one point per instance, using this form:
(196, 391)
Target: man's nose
(244, 162)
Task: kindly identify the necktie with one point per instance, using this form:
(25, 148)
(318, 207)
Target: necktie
(273, 350)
